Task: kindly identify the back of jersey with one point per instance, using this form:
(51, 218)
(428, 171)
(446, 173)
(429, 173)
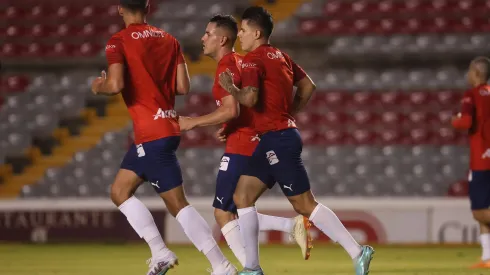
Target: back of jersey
(151, 57)
(275, 74)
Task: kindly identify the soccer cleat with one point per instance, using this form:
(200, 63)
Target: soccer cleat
(481, 264)
(301, 235)
(229, 270)
(362, 261)
(251, 272)
(161, 265)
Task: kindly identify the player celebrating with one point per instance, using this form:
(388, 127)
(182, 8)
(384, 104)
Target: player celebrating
(475, 118)
(218, 41)
(268, 77)
(146, 65)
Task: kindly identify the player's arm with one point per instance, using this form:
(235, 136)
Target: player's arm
(305, 90)
(183, 79)
(464, 119)
(226, 112)
(251, 76)
(111, 83)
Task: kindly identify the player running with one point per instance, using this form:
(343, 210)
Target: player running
(146, 65)
(268, 76)
(218, 41)
(475, 118)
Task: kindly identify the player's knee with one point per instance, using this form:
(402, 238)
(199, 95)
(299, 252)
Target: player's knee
(223, 217)
(303, 204)
(120, 193)
(479, 215)
(242, 200)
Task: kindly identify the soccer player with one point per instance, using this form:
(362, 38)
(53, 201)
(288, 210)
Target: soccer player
(218, 40)
(475, 118)
(146, 65)
(268, 76)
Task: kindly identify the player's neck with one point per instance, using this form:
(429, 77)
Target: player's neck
(478, 84)
(134, 19)
(222, 52)
(259, 43)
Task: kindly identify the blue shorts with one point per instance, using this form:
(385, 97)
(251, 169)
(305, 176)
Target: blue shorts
(277, 158)
(231, 168)
(479, 189)
(156, 162)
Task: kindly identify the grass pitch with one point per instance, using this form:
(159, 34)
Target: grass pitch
(87, 259)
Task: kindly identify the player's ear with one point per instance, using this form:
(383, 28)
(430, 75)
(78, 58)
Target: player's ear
(223, 41)
(257, 34)
(120, 10)
(147, 9)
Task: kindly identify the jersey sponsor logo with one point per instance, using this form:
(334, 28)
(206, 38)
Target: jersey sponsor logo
(484, 92)
(486, 154)
(276, 55)
(165, 114)
(248, 65)
(140, 150)
(272, 157)
(223, 165)
(147, 34)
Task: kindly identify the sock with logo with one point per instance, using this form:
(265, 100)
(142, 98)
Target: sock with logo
(233, 237)
(249, 226)
(140, 218)
(326, 220)
(267, 223)
(198, 231)
(485, 245)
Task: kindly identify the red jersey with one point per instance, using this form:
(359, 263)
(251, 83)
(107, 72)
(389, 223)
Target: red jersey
(150, 56)
(241, 136)
(274, 74)
(476, 105)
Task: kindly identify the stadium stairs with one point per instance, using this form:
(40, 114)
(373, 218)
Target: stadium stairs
(66, 141)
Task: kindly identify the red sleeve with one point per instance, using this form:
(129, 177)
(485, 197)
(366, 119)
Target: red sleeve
(180, 58)
(298, 72)
(465, 120)
(114, 51)
(220, 92)
(252, 71)
(467, 103)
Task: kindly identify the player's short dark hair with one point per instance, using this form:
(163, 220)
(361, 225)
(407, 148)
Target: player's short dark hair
(228, 22)
(482, 64)
(135, 5)
(261, 17)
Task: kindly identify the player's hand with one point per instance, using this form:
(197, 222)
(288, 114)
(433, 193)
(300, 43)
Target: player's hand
(226, 80)
(221, 135)
(186, 123)
(98, 82)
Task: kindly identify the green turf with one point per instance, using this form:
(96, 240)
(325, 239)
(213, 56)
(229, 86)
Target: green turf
(276, 260)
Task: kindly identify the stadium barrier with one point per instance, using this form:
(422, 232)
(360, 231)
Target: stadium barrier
(373, 220)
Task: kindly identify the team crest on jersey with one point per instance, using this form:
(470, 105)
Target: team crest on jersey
(223, 165)
(272, 157)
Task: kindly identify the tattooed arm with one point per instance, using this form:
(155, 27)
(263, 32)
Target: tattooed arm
(247, 96)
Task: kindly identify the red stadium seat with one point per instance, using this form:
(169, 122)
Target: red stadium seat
(12, 13)
(363, 136)
(334, 118)
(304, 119)
(310, 136)
(60, 49)
(333, 136)
(421, 119)
(448, 98)
(420, 136)
(390, 118)
(392, 99)
(446, 135)
(10, 50)
(200, 103)
(15, 83)
(366, 118)
(311, 26)
(34, 50)
(419, 98)
(459, 189)
(39, 30)
(390, 136)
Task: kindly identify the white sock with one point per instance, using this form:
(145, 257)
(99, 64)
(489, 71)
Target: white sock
(198, 231)
(267, 223)
(326, 220)
(485, 245)
(142, 222)
(233, 237)
(249, 226)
